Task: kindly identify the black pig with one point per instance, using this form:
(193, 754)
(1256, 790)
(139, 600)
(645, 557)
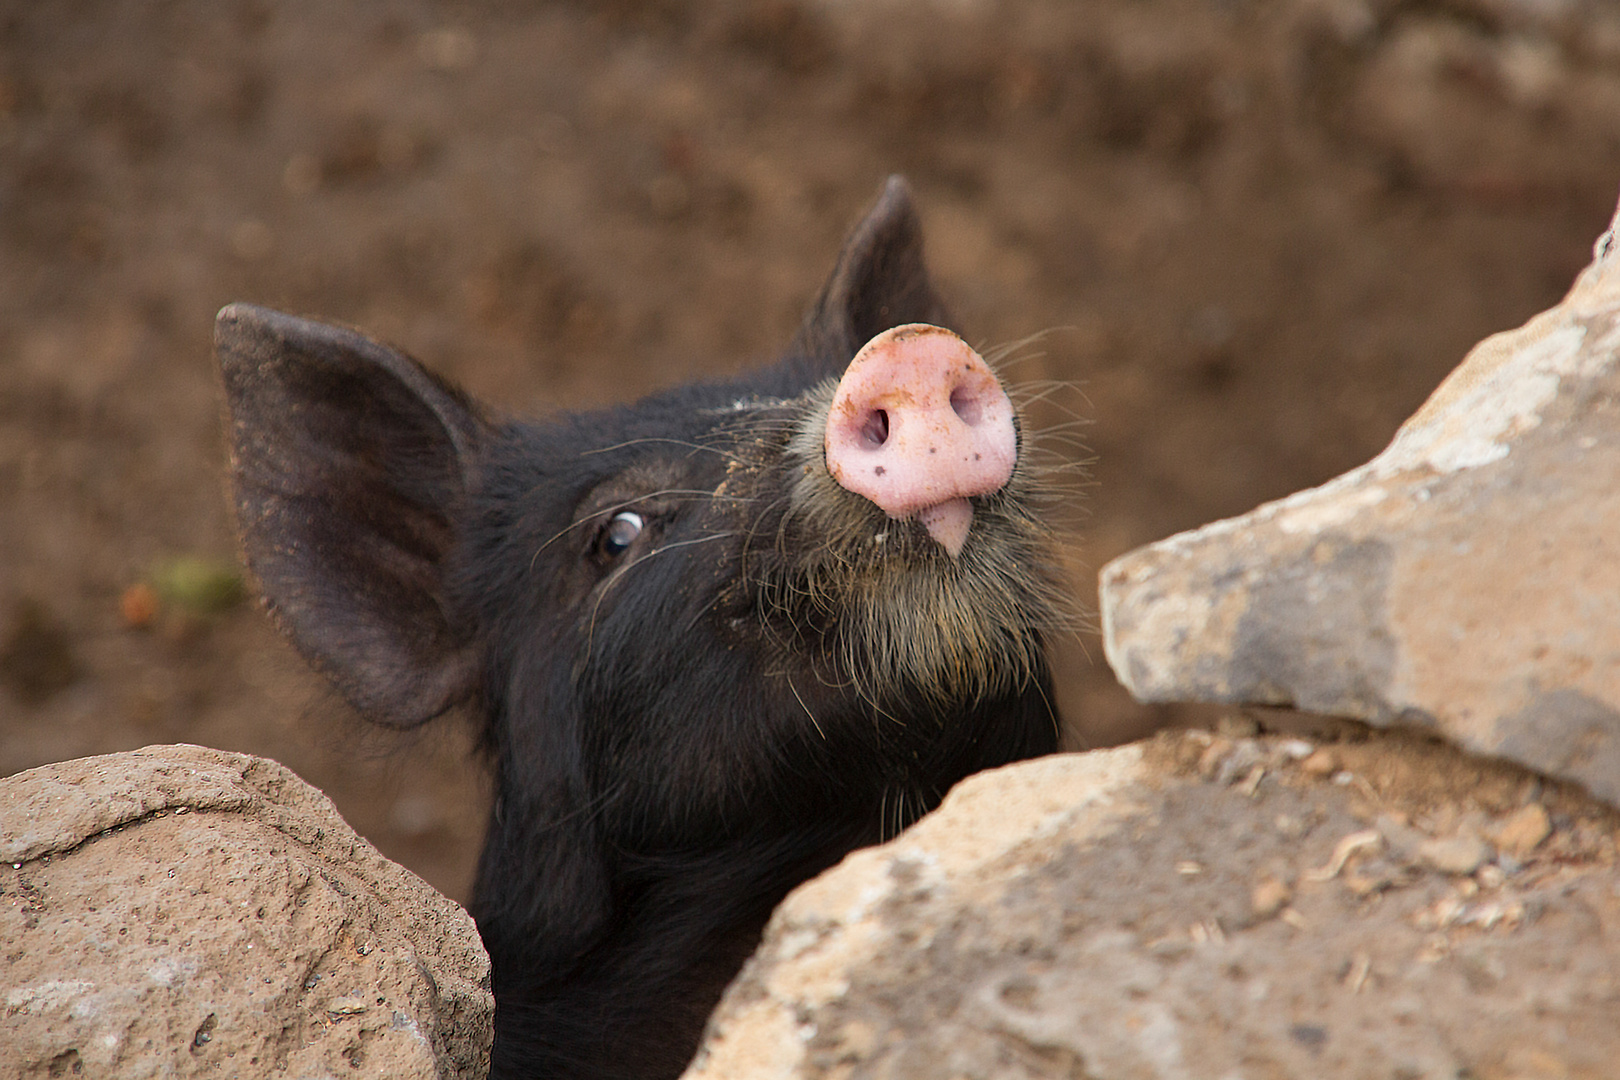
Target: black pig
(717, 639)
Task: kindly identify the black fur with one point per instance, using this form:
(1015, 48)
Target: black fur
(677, 734)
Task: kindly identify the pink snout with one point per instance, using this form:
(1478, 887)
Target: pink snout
(919, 424)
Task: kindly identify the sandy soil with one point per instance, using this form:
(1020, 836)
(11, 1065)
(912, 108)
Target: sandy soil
(1253, 234)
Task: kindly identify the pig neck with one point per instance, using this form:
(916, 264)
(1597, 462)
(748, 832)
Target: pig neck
(626, 972)
(613, 951)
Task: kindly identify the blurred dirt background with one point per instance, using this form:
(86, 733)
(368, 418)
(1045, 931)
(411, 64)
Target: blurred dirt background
(1257, 232)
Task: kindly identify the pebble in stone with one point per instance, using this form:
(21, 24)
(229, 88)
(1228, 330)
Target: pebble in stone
(1322, 763)
(1523, 831)
(1454, 854)
(1269, 897)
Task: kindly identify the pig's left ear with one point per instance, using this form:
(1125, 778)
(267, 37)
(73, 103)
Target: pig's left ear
(350, 463)
(879, 282)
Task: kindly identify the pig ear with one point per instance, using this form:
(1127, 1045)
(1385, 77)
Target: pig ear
(350, 463)
(879, 282)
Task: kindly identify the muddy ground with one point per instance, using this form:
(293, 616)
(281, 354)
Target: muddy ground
(1253, 234)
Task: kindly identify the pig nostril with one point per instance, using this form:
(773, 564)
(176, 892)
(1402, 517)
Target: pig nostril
(875, 431)
(967, 405)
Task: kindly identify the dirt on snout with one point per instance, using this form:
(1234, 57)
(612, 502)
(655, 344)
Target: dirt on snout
(1233, 244)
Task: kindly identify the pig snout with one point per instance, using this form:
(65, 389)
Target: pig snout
(919, 424)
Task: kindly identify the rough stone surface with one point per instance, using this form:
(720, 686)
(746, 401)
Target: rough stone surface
(1463, 580)
(179, 911)
(1154, 911)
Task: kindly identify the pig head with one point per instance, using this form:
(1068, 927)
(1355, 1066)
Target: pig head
(714, 639)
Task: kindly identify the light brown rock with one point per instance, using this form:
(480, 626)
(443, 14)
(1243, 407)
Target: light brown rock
(1463, 580)
(1321, 763)
(179, 911)
(1040, 924)
(1455, 854)
(1269, 897)
(1522, 831)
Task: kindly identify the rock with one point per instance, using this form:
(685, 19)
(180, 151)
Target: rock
(180, 911)
(1461, 581)
(1455, 854)
(1322, 762)
(1269, 897)
(1041, 924)
(1521, 832)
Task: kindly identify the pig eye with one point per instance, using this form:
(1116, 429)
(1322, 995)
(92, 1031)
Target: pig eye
(621, 532)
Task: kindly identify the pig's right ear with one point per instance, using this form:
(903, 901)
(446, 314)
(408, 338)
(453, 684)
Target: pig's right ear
(350, 463)
(879, 282)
